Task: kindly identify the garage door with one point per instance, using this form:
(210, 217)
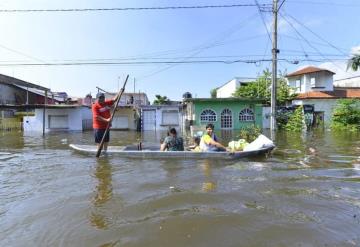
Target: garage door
(148, 120)
(58, 122)
(120, 122)
(170, 118)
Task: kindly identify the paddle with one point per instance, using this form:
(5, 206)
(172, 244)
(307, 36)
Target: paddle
(111, 118)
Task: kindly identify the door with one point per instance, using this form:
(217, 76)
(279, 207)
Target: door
(226, 119)
(148, 120)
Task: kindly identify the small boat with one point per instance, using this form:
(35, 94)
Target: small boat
(153, 152)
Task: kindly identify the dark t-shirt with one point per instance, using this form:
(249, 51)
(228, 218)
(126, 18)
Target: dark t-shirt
(174, 143)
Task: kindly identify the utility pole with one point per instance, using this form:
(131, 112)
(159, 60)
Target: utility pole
(274, 69)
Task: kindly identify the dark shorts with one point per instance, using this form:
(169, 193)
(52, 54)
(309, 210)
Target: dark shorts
(99, 133)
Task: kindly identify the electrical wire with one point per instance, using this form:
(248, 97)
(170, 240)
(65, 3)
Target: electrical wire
(130, 8)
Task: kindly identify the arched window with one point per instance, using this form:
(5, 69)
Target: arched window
(226, 119)
(208, 116)
(246, 115)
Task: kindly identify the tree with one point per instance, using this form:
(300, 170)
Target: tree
(296, 120)
(354, 63)
(213, 93)
(260, 88)
(346, 115)
(161, 100)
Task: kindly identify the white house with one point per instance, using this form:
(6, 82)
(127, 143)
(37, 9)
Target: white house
(315, 87)
(311, 79)
(59, 117)
(227, 89)
(161, 117)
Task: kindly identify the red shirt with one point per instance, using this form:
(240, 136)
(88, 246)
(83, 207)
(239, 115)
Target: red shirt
(102, 110)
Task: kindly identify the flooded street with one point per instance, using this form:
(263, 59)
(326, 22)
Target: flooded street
(306, 194)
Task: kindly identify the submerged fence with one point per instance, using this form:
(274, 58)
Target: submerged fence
(10, 125)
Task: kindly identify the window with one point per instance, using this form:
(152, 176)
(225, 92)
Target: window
(246, 115)
(297, 85)
(312, 82)
(226, 119)
(208, 116)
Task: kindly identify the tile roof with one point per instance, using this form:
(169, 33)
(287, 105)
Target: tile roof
(307, 70)
(336, 94)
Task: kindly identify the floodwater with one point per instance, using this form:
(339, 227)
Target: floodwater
(307, 193)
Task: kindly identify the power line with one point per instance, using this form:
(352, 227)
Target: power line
(318, 36)
(131, 8)
(249, 61)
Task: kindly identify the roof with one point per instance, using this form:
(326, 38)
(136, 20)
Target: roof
(308, 70)
(40, 92)
(14, 81)
(336, 94)
(233, 99)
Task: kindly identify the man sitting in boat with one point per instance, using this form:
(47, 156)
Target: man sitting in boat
(172, 142)
(209, 141)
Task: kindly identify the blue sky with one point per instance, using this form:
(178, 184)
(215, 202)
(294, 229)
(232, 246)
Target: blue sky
(326, 31)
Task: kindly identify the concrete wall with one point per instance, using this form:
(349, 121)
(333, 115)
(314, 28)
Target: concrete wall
(75, 119)
(320, 105)
(159, 117)
(227, 90)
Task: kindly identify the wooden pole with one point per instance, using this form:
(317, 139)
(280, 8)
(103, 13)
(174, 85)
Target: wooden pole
(111, 118)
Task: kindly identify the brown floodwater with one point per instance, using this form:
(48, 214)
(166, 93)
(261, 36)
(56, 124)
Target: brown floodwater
(307, 193)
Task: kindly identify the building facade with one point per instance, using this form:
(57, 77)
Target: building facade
(224, 113)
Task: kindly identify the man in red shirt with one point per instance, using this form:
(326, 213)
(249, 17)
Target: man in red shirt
(101, 118)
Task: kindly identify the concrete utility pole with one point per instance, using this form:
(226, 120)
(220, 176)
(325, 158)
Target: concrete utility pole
(274, 68)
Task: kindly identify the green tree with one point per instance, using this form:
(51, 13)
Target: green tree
(346, 115)
(296, 120)
(354, 62)
(161, 100)
(260, 88)
(213, 93)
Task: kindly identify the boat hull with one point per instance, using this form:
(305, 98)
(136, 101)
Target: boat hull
(149, 153)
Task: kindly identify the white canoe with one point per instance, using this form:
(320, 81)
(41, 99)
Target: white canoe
(154, 153)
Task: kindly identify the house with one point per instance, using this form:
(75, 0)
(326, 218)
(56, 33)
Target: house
(227, 89)
(315, 88)
(18, 98)
(59, 117)
(224, 113)
(127, 115)
(161, 117)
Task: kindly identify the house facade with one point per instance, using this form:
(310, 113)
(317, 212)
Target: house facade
(59, 118)
(315, 87)
(224, 113)
(311, 79)
(228, 88)
(161, 117)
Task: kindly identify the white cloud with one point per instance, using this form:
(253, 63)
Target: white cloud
(355, 50)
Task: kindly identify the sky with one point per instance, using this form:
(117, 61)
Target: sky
(321, 33)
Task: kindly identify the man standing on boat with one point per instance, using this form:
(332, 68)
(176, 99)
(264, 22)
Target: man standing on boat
(172, 142)
(101, 118)
(209, 141)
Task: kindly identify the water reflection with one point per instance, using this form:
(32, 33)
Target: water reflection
(209, 184)
(103, 192)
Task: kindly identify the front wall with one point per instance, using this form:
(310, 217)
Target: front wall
(235, 108)
(320, 105)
